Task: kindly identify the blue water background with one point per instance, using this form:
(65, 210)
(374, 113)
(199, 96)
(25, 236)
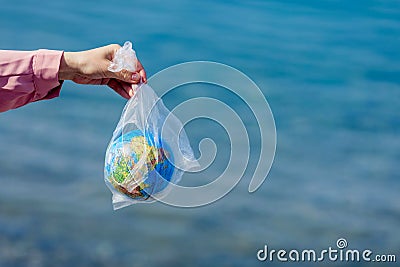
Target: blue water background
(330, 71)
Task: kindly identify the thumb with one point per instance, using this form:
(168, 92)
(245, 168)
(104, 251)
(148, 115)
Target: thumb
(126, 76)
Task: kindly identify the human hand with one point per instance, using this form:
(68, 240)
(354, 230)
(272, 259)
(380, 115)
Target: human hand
(91, 67)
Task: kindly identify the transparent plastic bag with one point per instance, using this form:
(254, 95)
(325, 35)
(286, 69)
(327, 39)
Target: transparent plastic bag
(149, 148)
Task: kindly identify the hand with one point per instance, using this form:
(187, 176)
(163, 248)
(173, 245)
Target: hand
(91, 67)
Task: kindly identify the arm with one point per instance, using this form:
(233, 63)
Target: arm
(28, 76)
(37, 75)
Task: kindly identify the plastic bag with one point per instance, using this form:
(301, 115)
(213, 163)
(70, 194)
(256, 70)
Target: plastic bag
(149, 148)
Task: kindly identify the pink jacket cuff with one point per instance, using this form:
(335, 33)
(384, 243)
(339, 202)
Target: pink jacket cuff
(45, 74)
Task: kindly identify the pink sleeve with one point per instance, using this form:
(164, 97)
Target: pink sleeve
(28, 76)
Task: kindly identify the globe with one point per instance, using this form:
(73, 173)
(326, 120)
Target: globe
(138, 165)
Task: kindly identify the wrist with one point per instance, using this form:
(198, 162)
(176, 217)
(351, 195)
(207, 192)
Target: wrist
(69, 66)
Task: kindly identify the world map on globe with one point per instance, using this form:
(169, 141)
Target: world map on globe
(138, 165)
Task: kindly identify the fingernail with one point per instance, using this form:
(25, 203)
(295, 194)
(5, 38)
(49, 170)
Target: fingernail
(135, 76)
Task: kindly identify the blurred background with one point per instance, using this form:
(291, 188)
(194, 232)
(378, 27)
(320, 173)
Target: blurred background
(330, 72)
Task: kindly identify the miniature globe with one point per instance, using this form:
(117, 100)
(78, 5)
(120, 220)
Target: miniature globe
(138, 165)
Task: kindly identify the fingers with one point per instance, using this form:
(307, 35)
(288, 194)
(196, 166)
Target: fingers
(121, 88)
(130, 88)
(86, 80)
(126, 76)
(143, 75)
(142, 72)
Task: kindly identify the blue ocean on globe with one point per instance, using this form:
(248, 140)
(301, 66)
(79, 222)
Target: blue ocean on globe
(139, 165)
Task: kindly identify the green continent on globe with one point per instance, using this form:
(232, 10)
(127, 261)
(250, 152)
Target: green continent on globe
(133, 163)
